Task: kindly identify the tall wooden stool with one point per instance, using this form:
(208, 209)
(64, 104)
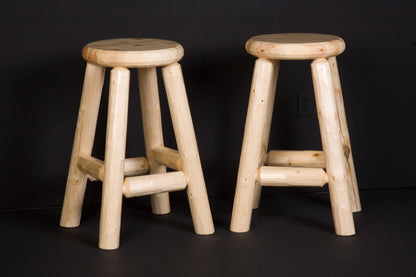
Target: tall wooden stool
(334, 165)
(126, 177)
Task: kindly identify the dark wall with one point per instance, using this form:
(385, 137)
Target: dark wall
(42, 73)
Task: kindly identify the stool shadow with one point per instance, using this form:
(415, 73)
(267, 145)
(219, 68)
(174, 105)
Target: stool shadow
(304, 200)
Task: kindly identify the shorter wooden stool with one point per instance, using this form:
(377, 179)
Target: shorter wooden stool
(122, 176)
(334, 165)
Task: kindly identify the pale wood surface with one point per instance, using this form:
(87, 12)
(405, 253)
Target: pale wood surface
(154, 183)
(266, 132)
(295, 46)
(291, 176)
(187, 148)
(83, 142)
(254, 146)
(305, 158)
(95, 167)
(168, 157)
(152, 130)
(352, 179)
(114, 159)
(132, 52)
(333, 147)
(136, 166)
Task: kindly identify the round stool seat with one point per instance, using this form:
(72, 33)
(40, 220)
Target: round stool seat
(132, 52)
(295, 46)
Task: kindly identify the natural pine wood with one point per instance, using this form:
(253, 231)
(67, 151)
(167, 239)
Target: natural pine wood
(132, 52)
(295, 46)
(254, 148)
(306, 158)
(145, 54)
(154, 184)
(187, 148)
(297, 168)
(333, 147)
(167, 157)
(136, 166)
(266, 133)
(280, 176)
(83, 142)
(95, 167)
(115, 149)
(352, 179)
(152, 130)
(91, 166)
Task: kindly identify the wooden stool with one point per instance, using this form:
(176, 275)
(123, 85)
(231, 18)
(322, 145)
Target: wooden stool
(297, 168)
(119, 175)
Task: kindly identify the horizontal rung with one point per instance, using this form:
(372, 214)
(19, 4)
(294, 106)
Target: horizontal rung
(291, 176)
(136, 166)
(167, 157)
(92, 166)
(296, 158)
(95, 167)
(154, 183)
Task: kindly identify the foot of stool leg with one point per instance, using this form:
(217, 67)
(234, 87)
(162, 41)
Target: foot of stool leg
(152, 129)
(352, 179)
(188, 149)
(255, 141)
(333, 147)
(83, 142)
(114, 159)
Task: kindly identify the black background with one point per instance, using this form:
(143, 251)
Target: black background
(42, 73)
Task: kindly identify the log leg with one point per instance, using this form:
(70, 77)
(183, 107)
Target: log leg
(115, 149)
(266, 134)
(352, 179)
(332, 147)
(83, 143)
(152, 129)
(188, 149)
(254, 142)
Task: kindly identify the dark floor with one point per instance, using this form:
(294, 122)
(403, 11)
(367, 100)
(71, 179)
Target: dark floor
(291, 235)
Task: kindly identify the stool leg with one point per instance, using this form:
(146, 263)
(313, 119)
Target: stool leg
(188, 149)
(333, 148)
(266, 133)
(83, 143)
(152, 129)
(352, 179)
(258, 121)
(115, 149)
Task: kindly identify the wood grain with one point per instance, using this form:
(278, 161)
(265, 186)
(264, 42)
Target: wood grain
(295, 46)
(336, 165)
(352, 179)
(83, 142)
(254, 147)
(188, 149)
(132, 52)
(152, 130)
(115, 149)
